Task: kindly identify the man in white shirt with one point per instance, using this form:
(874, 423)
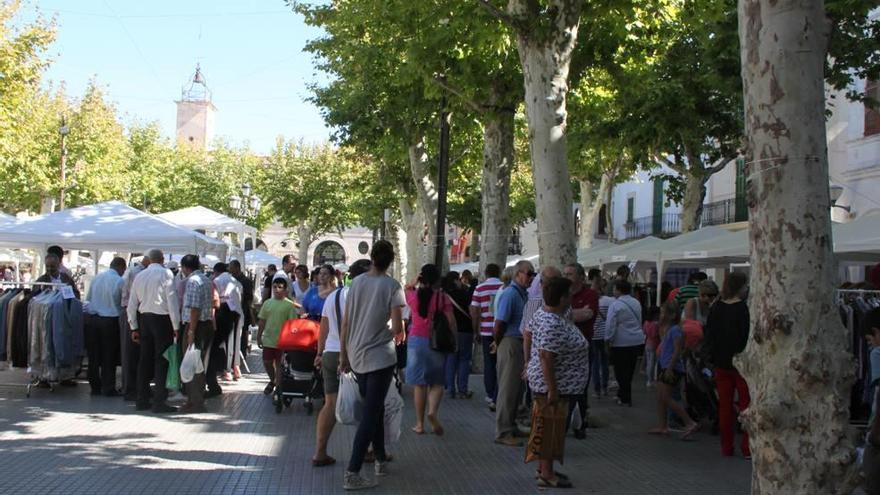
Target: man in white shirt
(154, 316)
(131, 350)
(328, 361)
(102, 328)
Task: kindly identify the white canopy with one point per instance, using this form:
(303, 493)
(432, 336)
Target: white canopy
(611, 254)
(201, 218)
(858, 240)
(258, 257)
(109, 226)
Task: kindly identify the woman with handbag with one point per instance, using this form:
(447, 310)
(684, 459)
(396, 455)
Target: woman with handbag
(458, 364)
(672, 370)
(433, 334)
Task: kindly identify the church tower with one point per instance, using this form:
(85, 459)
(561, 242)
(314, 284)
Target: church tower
(195, 113)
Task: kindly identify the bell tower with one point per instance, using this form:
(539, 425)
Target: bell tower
(195, 113)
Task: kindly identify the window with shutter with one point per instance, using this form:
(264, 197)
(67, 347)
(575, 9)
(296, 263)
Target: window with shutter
(872, 115)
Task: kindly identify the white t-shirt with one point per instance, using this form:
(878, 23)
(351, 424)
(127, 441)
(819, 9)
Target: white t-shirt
(333, 324)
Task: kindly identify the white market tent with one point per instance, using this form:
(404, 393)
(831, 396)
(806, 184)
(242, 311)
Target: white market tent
(258, 257)
(109, 226)
(858, 240)
(619, 254)
(201, 218)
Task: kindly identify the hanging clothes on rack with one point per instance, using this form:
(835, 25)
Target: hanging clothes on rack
(55, 330)
(854, 305)
(5, 299)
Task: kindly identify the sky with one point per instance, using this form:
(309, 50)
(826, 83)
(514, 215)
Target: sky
(143, 52)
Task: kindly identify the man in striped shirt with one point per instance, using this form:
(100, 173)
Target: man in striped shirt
(691, 290)
(483, 321)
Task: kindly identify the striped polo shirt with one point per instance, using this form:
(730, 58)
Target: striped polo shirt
(483, 298)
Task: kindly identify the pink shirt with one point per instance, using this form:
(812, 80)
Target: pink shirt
(421, 327)
(652, 338)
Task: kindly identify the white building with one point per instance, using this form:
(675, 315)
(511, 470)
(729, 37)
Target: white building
(347, 247)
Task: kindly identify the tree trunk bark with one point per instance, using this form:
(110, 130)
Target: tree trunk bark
(545, 53)
(796, 360)
(692, 203)
(585, 239)
(588, 222)
(426, 194)
(413, 229)
(498, 152)
(304, 236)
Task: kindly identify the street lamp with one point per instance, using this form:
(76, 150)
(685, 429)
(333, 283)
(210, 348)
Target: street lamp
(247, 205)
(836, 192)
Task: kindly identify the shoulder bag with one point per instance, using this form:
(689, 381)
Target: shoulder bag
(443, 339)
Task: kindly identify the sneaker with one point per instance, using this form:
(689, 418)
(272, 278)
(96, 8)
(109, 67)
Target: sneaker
(380, 468)
(269, 388)
(354, 481)
(465, 395)
(492, 406)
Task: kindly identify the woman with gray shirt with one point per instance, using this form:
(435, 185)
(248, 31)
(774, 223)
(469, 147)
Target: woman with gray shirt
(368, 349)
(625, 337)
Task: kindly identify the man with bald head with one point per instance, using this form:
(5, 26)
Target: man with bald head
(154, 316)
(509, 349)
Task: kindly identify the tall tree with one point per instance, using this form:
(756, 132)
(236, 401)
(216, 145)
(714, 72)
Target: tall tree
(546, 35)
(796, 361)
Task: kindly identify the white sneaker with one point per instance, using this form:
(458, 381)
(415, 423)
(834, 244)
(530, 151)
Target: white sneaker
(354, 481)
(380, 468)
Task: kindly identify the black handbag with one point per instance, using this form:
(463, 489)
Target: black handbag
(443, 339)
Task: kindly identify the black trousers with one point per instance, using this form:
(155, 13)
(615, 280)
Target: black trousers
(371, 430)
(156, 334)
(102, 345)
(226, 321)
(624, 360)
(204, 335)
(132, 352)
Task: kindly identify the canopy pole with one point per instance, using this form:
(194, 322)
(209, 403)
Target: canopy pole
(661, 271)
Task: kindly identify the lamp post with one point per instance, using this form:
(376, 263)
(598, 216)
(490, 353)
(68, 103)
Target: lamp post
(245, 207)
(64, 131)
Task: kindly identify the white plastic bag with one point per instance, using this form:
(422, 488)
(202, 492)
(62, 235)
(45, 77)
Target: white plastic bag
(349, 403)
(191, 364)
(393, 414)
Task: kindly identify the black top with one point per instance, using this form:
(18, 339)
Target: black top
(726, 332)
(462, 319)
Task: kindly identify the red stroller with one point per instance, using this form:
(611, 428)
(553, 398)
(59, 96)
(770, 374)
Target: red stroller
(299, 379)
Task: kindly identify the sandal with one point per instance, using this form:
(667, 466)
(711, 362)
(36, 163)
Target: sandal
(690, 431)
(556, 482)
(659, 431)
(557, 473)
(327, 461)
(418, 431)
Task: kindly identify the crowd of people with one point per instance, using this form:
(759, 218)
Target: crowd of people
(546, 338)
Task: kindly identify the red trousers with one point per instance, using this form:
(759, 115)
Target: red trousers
(727, 381)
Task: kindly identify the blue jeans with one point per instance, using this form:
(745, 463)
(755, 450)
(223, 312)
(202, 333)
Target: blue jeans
(490, 375)
(371, 430)
(459, 363)
(598, 366)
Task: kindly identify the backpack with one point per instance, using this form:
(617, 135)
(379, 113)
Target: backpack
(443, 339)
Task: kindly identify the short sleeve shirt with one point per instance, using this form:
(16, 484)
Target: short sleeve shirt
(511, 303)
(370, 345)
(553, 333)
(333, 323)
(484, 299)
(586, 298)
(275, 312)
(421, 327)
(199, 294)
(667, 348)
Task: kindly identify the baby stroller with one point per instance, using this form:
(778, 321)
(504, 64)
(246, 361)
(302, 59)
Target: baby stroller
(298, 377)
(702, 398)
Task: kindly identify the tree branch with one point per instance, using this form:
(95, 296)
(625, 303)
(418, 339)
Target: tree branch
(669, 163)
(719, 165)
(499, 14)
(460, 94)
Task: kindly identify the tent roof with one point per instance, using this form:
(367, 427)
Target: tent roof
(639, 250)
(858, 240)
(199, 217)
(112, 225)
(258, 257)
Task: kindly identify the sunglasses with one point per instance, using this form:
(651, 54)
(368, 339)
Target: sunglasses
(530, 273)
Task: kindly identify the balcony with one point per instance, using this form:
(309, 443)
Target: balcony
(664, 225)
(724, 212)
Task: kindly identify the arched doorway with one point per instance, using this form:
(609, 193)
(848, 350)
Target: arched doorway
(329, 252)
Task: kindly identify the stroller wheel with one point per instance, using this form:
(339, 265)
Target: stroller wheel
(288, 401)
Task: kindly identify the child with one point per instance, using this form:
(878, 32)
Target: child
(691, 326)
(652, 340)
(273, 314)
(671, 371)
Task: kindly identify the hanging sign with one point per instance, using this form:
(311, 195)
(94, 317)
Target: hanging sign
(695, 254)
(618, 258)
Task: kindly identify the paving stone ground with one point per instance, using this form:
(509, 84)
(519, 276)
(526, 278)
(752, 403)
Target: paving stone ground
(67, 442)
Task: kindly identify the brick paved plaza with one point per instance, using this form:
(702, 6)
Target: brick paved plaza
(70, 443)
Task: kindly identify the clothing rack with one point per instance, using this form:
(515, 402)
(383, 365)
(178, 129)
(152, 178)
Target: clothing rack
(842, 293)
(30, 385)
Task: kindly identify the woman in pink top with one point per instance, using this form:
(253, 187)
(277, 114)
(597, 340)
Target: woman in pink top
(424, 366)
